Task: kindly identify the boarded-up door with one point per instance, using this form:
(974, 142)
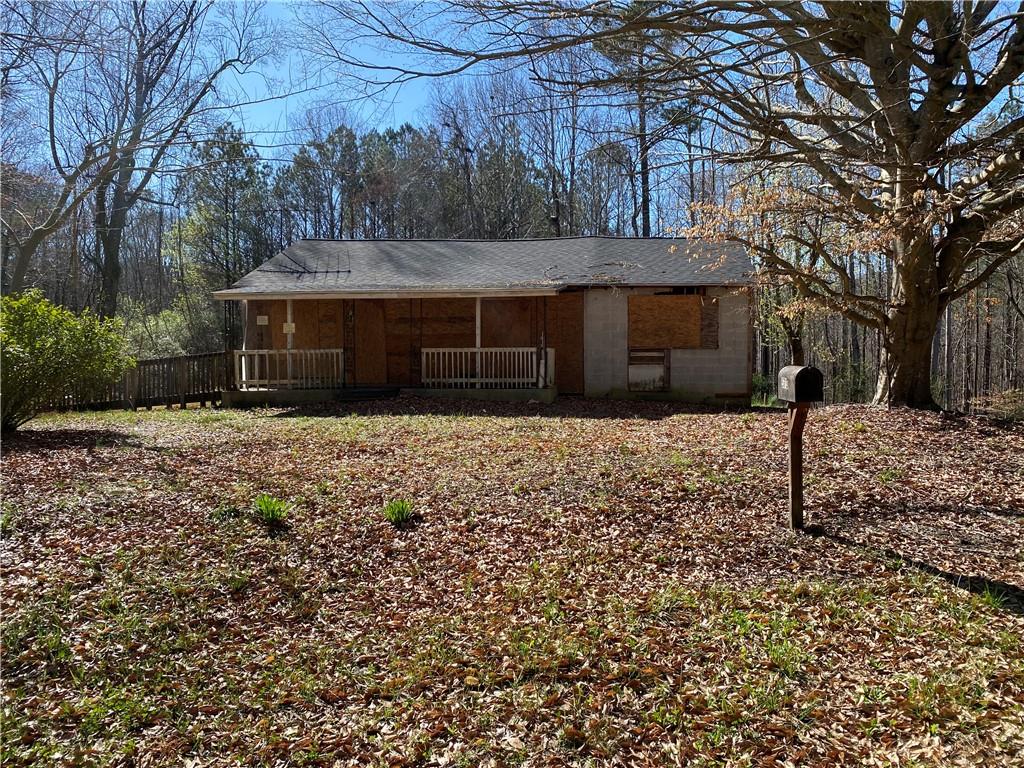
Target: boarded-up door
(565, 334)
(371, 358)
(398, 317)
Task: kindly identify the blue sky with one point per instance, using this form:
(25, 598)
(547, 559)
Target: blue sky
(281, 94)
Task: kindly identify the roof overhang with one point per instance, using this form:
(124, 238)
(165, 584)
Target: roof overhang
(229, 294)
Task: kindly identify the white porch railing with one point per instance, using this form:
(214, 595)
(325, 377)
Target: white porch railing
(487, 368)
(289, 368)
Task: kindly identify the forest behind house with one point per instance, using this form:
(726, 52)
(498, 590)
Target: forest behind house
(526, 149)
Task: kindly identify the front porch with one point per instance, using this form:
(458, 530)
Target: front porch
(491, 368)
(435, 345)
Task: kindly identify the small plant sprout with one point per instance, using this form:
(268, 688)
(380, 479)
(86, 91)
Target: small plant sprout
(398, 512)
(270, 510)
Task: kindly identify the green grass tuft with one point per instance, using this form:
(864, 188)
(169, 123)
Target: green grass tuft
(398, 512)
(270, 510)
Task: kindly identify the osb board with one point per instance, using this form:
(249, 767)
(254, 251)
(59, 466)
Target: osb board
(668, 322)
(400, 323)
(508, 322)
(448, 323)
(278, 317)
(371, 365)
(565, 336)
(306, 316)
(329, 323)
(257, 336)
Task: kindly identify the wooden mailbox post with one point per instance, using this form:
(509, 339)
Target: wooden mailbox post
(799, 386)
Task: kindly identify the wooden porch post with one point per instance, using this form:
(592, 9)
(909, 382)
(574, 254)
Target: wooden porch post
(289, 338)
(478, 342)
(240, 374)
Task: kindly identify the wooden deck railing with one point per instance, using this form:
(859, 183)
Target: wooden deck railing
(160, 381)
(289, 368)
(487, 368)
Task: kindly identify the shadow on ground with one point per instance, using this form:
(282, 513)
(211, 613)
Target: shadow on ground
(37, 440)
(563, 407)
(1010, 595)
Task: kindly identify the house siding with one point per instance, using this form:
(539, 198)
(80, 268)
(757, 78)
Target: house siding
(588, 329)
(723, 373)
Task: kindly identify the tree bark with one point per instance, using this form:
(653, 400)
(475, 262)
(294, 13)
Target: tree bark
(904, 374)
(645, 166)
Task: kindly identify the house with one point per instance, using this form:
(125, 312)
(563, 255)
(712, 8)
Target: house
(594, 316)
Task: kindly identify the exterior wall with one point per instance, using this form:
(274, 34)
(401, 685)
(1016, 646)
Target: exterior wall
(589, 331)
(317, 324)
(696, 375)
(724, 373)
(563, 328)
(605, 341)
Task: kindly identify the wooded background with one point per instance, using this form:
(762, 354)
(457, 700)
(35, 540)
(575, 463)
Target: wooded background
(125, 189)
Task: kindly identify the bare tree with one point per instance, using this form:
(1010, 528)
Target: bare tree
(120, 87)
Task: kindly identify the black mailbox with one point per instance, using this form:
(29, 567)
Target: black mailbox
(801, 384)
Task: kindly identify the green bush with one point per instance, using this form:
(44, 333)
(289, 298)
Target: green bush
(49, 351)
(270, 510)
(763, 390)
(398, 512)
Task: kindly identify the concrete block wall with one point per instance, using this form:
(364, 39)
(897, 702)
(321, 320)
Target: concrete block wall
(605, 341)
(697, 375)
(723, 373)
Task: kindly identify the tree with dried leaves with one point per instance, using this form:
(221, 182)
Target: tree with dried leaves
(902, 114)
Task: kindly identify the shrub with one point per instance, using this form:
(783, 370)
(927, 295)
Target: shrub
(1007, 405)
(398, 512)
(49, 351)
(763, 392)
(270, 510)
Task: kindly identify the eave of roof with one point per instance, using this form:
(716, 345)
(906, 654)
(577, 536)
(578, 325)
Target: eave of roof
(229, 294)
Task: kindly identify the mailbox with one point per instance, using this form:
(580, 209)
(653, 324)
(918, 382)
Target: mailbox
(801, 384)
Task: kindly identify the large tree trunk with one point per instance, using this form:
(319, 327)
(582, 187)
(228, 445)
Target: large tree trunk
(904, 375)
(915, 306)
(109, 233)
(24, 253)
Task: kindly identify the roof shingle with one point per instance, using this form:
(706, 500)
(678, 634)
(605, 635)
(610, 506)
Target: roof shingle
(545, 265)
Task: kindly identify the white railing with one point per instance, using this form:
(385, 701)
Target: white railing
(487, 368)
(289, 368)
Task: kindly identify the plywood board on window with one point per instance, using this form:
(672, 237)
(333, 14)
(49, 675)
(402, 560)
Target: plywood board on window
(449, 323)
(258, 336)
(709, 323)
(667, 322)
(508, 322)
(306, 317)
(278, 317)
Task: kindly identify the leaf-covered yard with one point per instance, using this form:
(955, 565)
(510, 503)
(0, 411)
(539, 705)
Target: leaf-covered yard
(581, 584)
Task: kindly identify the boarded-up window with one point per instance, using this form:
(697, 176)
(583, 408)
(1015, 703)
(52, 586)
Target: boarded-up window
(666, 322)
(507, 322)
(449, 323)
(673, 322)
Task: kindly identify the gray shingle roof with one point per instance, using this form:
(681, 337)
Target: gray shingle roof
(542, 265)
